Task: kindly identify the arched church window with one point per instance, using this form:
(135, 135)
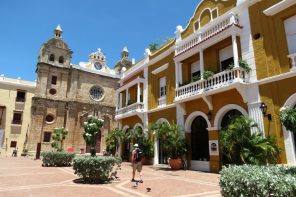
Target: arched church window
(51, 57)
(61, 60)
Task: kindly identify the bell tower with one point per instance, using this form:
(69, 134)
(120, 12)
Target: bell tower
(55, 51)
(58, 32)
(124, 53)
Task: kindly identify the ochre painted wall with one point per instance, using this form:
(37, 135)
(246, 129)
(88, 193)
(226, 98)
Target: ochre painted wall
(169, 114)
(270, 48)
(133, 94)
(131, 121)
(153, 81)
(218, 100)
(223, 6)
(274, 95)
(162, 49)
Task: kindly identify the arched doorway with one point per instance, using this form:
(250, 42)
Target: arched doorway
(226, 120)
(199, 144)
(160, 156)
(228, 117)
(126, 147)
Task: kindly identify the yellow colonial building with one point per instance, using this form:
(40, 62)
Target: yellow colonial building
(15, 114)
(231, 58)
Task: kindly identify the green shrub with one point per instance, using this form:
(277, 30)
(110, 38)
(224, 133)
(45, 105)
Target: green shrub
(98, 169)
(57, 158)
(58, 137)
(242, 143)
(251, 180)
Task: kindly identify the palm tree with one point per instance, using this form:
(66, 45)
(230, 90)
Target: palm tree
(113, 140)
(153, 47)
(242, 143)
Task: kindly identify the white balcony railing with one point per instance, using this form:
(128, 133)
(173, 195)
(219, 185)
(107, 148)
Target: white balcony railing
(162, 101)
(293, 61)
(219, 80)
(133, 108)
(209, 30)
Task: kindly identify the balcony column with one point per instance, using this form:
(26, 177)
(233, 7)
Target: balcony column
(117, 100)
(126, 97)
(235, 51)
(201, 63)
(138, 93)
(177, 74)
(120, 100)
(180, 74)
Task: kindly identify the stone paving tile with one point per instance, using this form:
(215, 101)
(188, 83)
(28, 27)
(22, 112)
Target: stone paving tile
(26, 177)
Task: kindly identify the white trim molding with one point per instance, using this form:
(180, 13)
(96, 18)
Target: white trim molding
(191, 117)
(161, 120)
(138, 125)
(125, 128)
(161, 108)
(130, 84)
(224, 110)
(280, 6)
(160, 69)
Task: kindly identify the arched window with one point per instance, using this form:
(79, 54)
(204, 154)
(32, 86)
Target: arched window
(51, 57)
(61, 60)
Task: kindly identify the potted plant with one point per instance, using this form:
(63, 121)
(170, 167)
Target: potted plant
(113, 140)
(242, 64)
(146, 146)
(208, 74)
(174, 144)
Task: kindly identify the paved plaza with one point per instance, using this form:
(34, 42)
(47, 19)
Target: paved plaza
(26, 177)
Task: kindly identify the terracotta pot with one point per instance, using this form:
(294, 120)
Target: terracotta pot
(146, 161)
(175, 164)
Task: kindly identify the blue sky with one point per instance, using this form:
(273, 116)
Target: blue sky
(87, 25)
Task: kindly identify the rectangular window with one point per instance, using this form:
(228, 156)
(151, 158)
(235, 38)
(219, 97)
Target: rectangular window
(225, 63)
(20, 96)
(195, 71)
(17, 117)
(162, 87)
(13, 144)
(47, 137)
(226, 57)
(54, 80)
(290, 28)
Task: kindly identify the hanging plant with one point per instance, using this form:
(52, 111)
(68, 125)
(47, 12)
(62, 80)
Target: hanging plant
(288, 118)
(208, 74)
(242, 64)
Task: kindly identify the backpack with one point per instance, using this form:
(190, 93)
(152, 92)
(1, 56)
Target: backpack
(139, 155)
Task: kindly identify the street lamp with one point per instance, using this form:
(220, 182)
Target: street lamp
(263, 108)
